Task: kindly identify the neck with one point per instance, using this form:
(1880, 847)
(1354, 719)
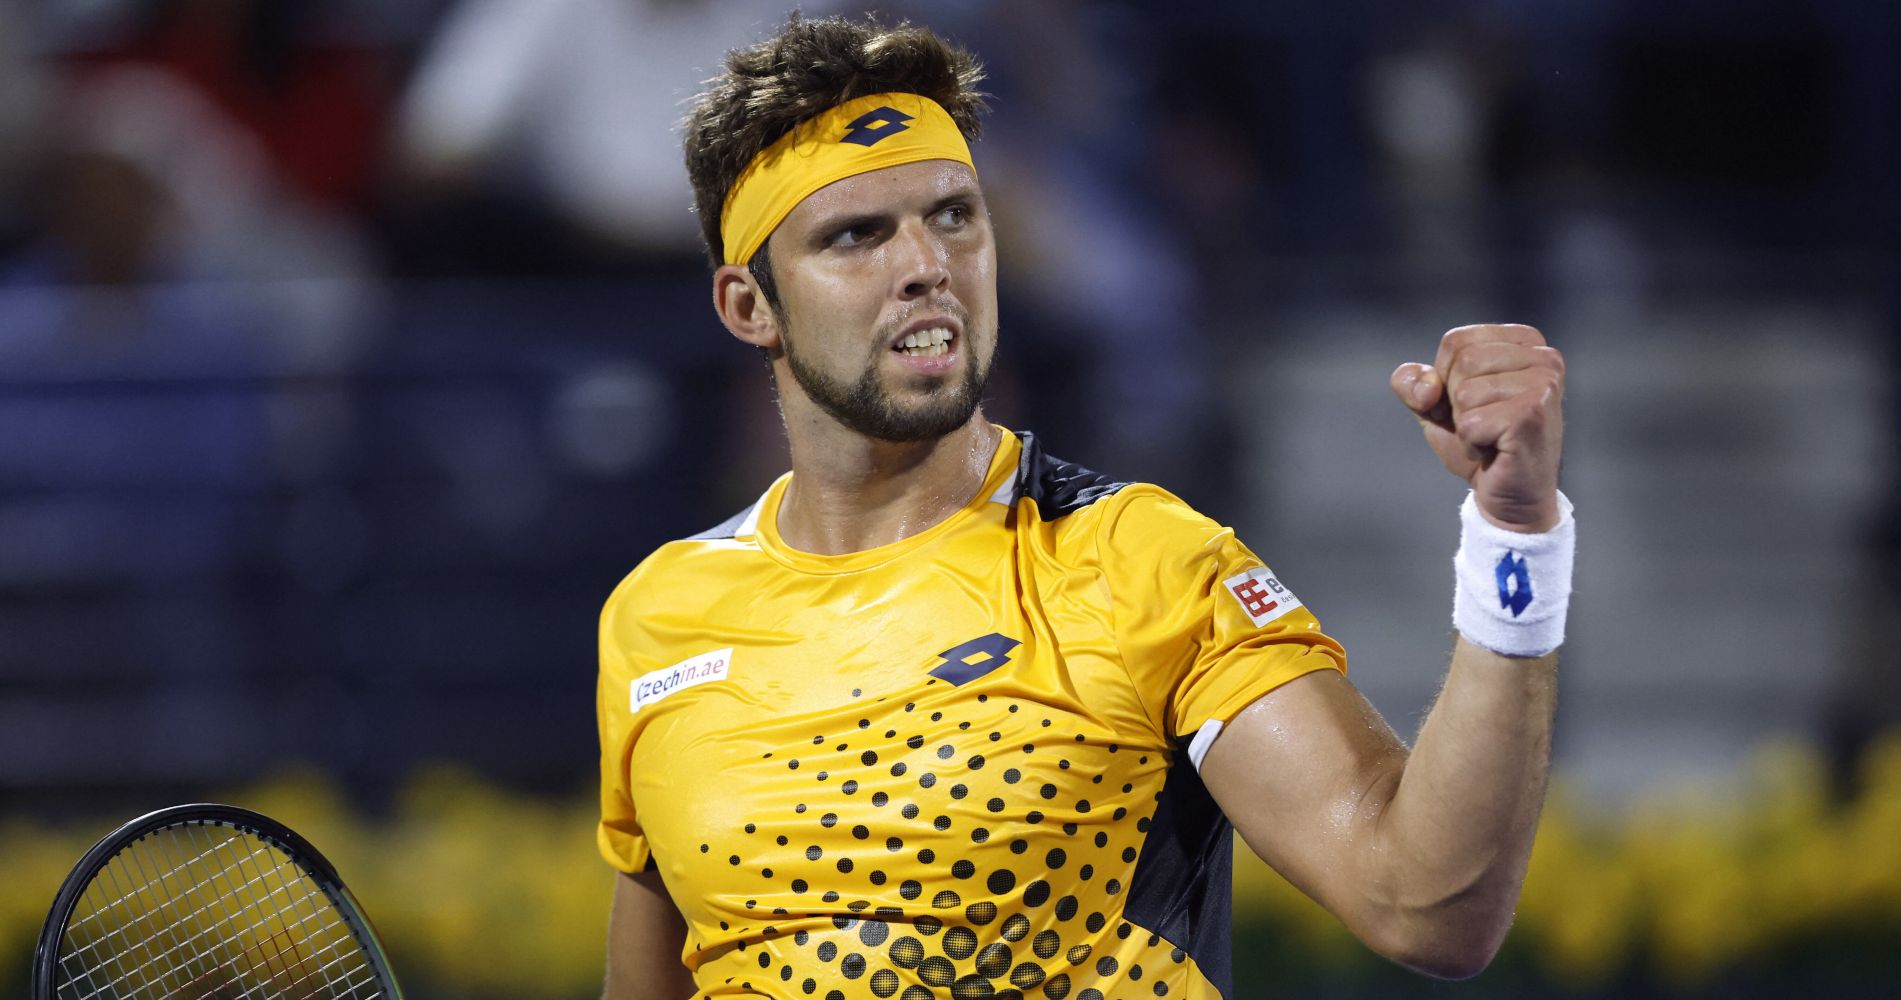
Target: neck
(850, 492)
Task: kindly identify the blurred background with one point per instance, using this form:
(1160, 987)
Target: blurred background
(352, 350)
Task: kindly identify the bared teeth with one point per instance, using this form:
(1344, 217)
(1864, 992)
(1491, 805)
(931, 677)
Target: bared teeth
(930, 343)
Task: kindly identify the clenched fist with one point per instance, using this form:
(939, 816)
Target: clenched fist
(1491, 404)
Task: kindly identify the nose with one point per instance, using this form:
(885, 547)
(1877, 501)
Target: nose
(923, 260)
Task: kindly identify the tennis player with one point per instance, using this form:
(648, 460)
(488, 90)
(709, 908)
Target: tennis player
(941, 715)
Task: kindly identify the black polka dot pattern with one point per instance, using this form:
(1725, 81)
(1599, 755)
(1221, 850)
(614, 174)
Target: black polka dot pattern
(944, 848)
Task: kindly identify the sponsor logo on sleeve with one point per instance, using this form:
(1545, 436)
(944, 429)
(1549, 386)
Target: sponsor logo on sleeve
(1261, 595)
(657, 684)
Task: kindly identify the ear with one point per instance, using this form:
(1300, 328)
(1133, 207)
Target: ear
(743, 307)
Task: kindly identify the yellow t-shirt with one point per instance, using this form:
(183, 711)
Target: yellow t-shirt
(958, 765)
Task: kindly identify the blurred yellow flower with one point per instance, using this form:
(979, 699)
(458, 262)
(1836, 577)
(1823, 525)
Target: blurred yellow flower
(483, 892)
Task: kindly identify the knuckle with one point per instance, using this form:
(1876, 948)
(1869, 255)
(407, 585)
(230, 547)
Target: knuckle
(1516, 358)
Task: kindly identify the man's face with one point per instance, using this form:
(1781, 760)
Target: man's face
(872, 264)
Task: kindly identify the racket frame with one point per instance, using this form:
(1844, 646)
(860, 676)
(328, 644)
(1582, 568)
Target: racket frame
(302, 853)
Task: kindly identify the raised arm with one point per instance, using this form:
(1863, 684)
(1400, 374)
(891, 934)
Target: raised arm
(1422, 853)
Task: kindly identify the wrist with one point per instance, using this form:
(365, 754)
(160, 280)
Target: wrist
(1531, 519)
(1513, 585)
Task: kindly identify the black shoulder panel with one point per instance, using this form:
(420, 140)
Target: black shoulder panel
(1183, 886)
(728, 528)
(1058, 487)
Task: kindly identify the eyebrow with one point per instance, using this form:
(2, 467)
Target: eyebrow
(825, 227)
(843, 221)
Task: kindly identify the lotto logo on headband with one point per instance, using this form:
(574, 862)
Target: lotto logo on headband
(876, 124)
(861, 135)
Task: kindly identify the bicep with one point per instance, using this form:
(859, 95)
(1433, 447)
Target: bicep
(645, 936)
(1303, 773)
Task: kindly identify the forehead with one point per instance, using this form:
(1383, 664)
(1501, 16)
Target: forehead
(907, 186)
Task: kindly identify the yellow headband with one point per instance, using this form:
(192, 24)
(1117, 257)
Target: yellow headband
(864, 134)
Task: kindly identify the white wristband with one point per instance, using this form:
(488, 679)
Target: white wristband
(1513, 588)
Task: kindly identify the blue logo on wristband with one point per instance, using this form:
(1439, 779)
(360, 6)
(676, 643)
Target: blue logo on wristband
(1512, 569)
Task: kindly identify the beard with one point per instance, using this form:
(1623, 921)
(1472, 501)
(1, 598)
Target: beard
(867, 408)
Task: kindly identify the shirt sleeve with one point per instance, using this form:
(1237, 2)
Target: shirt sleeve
(619, 835)
(1204, 627)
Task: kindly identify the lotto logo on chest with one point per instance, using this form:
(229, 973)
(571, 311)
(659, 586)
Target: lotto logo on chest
(1262, 596)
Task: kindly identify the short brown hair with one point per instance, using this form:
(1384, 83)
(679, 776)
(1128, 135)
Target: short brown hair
(808, 67)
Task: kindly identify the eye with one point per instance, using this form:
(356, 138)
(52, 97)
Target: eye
(852, 236)
(953, 216)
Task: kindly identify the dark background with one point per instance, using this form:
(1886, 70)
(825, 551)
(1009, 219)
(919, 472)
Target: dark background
(350, 352)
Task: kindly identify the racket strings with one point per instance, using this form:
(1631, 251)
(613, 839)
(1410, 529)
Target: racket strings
(210, 913)
(123, 911)
(252, 875)
(312, 906)
(134, 958)
(229, 962)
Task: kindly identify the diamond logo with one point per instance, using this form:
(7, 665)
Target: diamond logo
(878, 123)
(1514, 583)
(968, 661)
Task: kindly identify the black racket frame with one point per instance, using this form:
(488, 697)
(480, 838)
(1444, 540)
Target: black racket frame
(302, 853)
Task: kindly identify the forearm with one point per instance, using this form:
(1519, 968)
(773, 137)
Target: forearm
(1422, 853)
(1451, 845)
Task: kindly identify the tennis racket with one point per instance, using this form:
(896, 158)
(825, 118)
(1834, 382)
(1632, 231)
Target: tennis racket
(207, 902)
